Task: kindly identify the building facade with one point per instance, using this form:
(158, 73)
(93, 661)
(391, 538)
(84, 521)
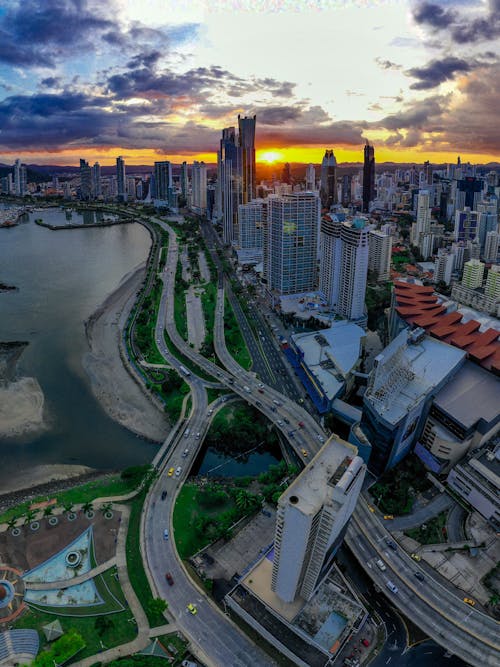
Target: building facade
(379, 254)
(368, 177)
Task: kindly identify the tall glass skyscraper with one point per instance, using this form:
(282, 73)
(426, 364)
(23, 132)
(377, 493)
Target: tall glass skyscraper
(328, 186)
(368, 177)
(121, 181)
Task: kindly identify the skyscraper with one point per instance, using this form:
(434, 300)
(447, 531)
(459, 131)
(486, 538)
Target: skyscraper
(286, 174)
(491, 246)
(121, 181)
(344, 250)
(246, 144)
(312, 518)
(227, 183)
(328, 185)
(96, 180)
(85, 181)
(492, 288)
(443, 266)
(251, 220)
(199, 188)
(466, 225)
(346, 189)
(379, 255)
(184, 180)
(368, 177)
(162, 180)
(310, 178)
(20, 179)
(291, 243)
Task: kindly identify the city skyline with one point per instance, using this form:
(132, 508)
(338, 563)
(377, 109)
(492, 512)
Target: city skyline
(149, 83)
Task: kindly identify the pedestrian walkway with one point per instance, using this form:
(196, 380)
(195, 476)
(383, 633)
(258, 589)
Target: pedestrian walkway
(142, 639)
(66, 583)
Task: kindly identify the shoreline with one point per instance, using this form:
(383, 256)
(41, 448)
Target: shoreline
(120, 394)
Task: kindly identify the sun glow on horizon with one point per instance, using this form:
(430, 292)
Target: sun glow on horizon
(269, 156)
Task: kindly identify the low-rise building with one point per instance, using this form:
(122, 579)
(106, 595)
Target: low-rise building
(477, 480)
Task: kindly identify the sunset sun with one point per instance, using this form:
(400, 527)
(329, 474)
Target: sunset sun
(270, 156)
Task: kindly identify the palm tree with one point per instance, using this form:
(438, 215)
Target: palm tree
(106, 507)
(29, 516)
(12, 522)
(87, 507)
(48, 511)
(68, 507)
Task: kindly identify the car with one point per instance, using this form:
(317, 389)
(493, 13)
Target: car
(304, 452)
(219, 374)
(192, 608)
(185, 453)
(170, 472)
(165, 534)
(388, 516)
(224, 399)
(380, 564)
(178, 471)
(391, 545)
(210, 412)
(287, 421)
(291, 434)
(260, 385)
(419, 576)
(372, 509)
(197, 436)
(261, 391)
(163, 495)
(169, 578)
(415, 556)
(301, 400)
(320, 438)
(365, 642)
(301, 424)
(469, 601)
(279, 422)
(392, 587)
(276, 402)
(258, 404)
(273, 409)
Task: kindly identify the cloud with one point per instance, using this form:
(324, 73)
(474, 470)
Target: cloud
(463, 28)
(386, 64)
(437, 71)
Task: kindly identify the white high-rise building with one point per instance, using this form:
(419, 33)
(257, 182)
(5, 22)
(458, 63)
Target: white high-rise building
(344, 251)
(310, 177)
(251, 220)
(492, 288)
(379, 254)
(291, 244)
(131, 193)
(121, 180)
(473, 274)
(443, 266)
(422, 224)
(311, 518)
(491, 246)
(20, 178)
(199, 188)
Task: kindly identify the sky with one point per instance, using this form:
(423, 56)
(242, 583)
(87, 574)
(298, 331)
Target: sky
(159, 79)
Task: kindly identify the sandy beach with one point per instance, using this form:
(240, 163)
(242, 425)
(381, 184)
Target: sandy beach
(121, 396)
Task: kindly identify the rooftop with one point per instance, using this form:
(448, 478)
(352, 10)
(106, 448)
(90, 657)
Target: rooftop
(420, 306)
(331, 354)
(406, 371)
(471, 395)
(305, 491)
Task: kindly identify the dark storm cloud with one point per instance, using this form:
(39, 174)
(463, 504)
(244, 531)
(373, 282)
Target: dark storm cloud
(420, 114)
(437, 71)
(51, 82)
(463, 29)
(279, 114)
(434, 15)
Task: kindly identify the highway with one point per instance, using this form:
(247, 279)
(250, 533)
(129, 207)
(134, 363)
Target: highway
(465, 631)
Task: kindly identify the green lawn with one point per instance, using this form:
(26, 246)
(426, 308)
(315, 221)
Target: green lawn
(122, 630)
(431, 532)
(187, 511)
(234, 340)
(110, 485)
(135, 566)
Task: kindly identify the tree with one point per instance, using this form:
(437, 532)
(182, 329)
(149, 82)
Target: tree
(48, 511)
(87, 507)
(12, 522)
(106, 507)
(68, 507)
(102, 625)
(29, 516)
(157, 606)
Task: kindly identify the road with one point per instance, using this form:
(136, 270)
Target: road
(437, 610)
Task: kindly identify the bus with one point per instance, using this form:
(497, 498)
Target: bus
(184, 370)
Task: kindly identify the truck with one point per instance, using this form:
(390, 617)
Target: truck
(184, 370)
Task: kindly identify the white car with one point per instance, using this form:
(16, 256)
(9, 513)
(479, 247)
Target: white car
(165, 534)
(279, 422)
(321, 438)
(178, 471)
